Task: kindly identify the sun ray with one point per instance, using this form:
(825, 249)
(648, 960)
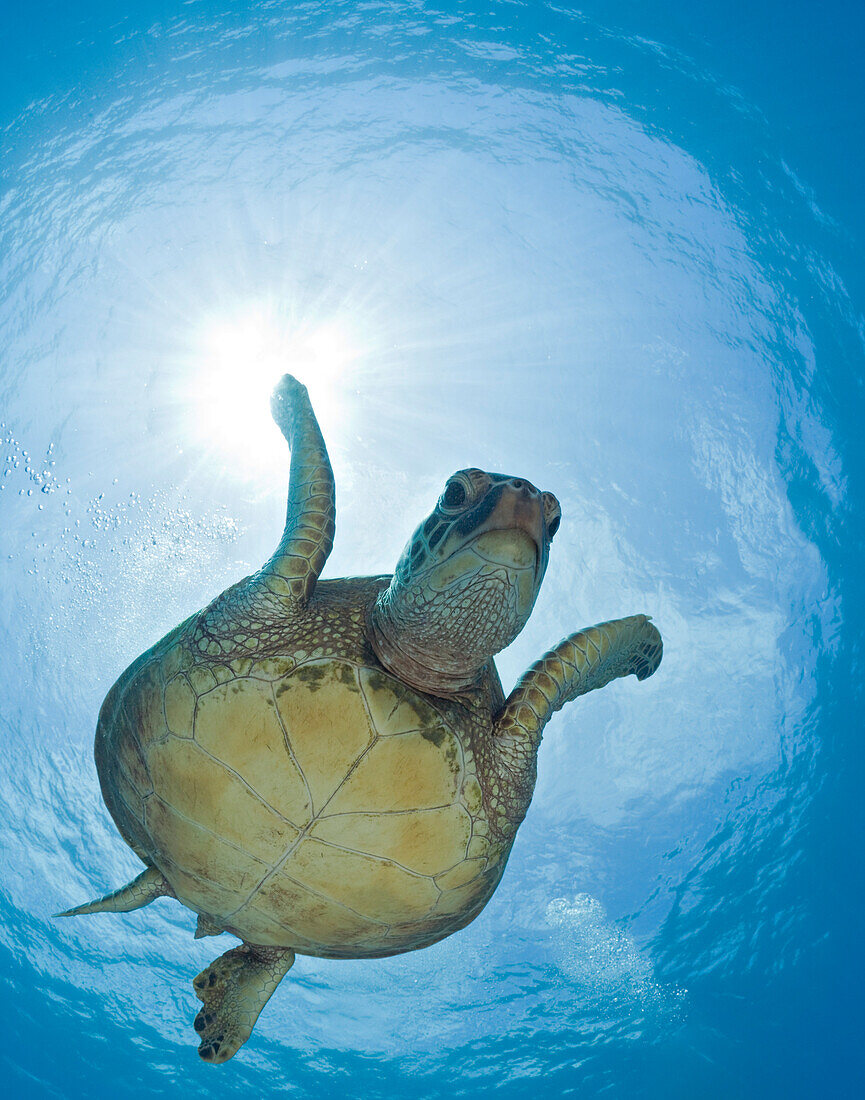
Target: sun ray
(231, 367)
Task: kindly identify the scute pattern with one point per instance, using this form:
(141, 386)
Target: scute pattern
(312, 916)
(326, 723)
(393, 707)
(237, 724)
(296, 793)
(194, 847)
(374, 888)
(201, 789)
(420, 775)
(179, 706)
(417, 840)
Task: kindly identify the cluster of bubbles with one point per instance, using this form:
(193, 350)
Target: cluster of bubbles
(18, 458)
(95, 558)
(604, 962)
(42, 477)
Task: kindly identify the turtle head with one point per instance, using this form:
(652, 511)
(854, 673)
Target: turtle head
(466, 582)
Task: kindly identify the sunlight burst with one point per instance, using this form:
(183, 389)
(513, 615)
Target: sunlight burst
(237, 363)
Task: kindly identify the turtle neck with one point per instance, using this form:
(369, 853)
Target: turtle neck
(422, 666)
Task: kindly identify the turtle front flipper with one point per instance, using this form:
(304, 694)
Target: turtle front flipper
(144, 889)
(311, 515)
(234, 990)
(580, 663)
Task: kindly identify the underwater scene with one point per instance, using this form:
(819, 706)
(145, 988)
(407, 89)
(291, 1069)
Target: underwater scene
(611, 251)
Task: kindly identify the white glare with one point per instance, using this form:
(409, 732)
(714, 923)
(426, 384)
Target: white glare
(235, 366)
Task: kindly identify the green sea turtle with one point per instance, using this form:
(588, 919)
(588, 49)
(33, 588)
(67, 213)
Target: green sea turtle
(332, 768)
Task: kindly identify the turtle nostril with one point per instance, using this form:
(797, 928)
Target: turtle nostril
(523, 487)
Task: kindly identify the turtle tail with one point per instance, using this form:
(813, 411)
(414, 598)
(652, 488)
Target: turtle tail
(149, 886)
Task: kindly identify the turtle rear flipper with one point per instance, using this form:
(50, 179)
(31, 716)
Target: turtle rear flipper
(144, 889)
(234, 990)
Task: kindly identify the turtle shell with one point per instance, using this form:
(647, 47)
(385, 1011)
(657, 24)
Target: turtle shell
(308, 800)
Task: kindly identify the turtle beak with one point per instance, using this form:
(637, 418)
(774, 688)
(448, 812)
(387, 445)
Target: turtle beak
(515, 532)
(512, 547)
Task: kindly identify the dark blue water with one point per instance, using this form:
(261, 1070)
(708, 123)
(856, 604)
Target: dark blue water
(616, 250)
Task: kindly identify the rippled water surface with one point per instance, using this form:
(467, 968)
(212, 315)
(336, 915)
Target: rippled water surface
(520, 237)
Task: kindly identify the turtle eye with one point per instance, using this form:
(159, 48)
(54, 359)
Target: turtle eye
(552, 513)
(455, 495)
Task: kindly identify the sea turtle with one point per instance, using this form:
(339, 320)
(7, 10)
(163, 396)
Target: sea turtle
(332, 768)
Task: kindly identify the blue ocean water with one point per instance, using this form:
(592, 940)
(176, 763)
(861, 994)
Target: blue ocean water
(615, 249)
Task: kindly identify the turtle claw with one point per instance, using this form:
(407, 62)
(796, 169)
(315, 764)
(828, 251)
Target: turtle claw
(202, 1020)
(213, 1049)
(205, 979)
